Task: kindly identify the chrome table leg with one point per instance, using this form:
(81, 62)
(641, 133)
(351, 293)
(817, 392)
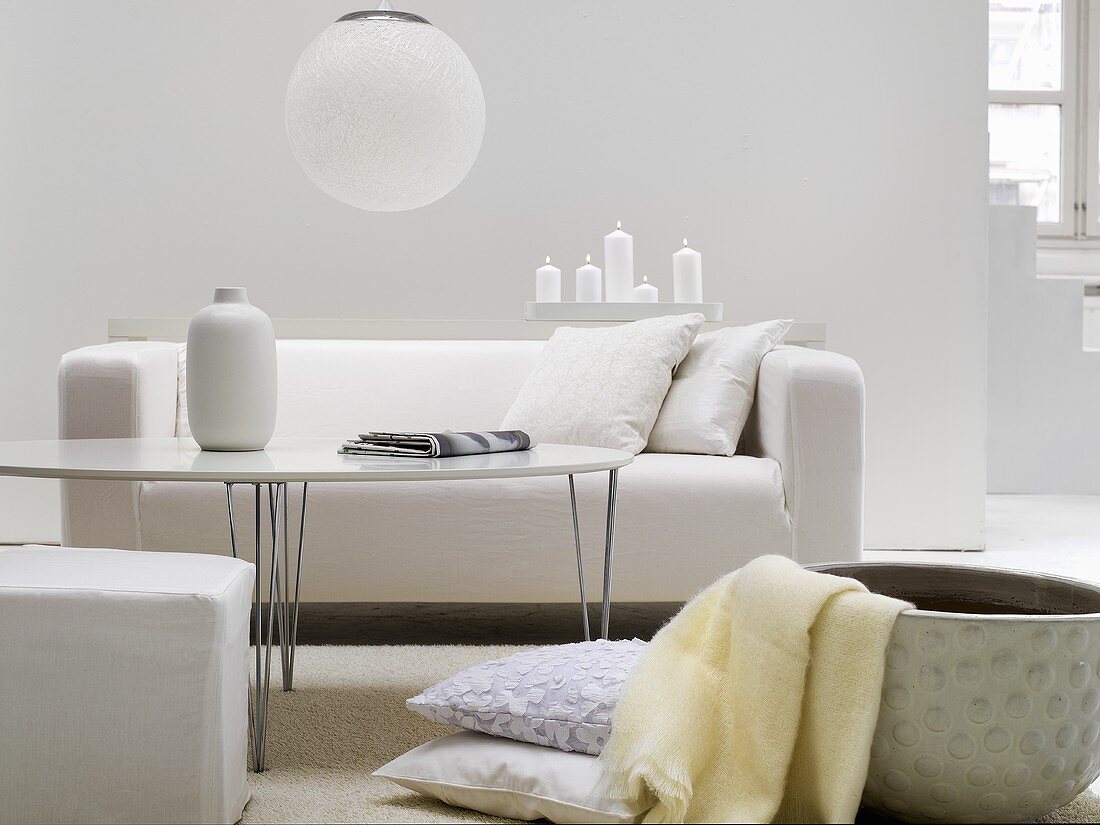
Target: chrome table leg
(609, 552)
(258, 700)
(580, 558)
(288, 593)
(293, 613)
(273, 491)
(272, 609)
(257, 710)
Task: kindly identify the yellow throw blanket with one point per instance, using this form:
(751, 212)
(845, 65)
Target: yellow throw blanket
(757, 702)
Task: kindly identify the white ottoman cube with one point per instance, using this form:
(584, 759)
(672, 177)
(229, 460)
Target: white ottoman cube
(123, 686)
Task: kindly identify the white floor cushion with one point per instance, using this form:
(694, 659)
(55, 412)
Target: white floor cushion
(507, 778)
(561, 696)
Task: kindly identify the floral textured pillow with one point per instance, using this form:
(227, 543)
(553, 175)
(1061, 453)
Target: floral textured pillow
(562, 696)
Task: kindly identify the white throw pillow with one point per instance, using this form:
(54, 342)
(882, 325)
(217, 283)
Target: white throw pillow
(509, 779)
(712, 393)
(602, 387)
(561, 696)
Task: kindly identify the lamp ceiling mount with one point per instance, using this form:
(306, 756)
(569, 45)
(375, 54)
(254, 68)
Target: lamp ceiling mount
(384, 12)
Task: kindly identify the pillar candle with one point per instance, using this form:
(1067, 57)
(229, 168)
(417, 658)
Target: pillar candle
(646, 293)
(588, 282)
(687, 276)
(548, 283)
(618, 260)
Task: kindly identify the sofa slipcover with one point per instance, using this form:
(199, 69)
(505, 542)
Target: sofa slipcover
(795, 489)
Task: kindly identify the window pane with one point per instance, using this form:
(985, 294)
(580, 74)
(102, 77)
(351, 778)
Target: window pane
(1025, 161)
(1025, 44)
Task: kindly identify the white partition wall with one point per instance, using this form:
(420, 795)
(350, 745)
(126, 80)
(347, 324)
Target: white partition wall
(1044, 386)
(827, 159)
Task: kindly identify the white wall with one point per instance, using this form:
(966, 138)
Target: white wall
(828, 159)
(1044, 388)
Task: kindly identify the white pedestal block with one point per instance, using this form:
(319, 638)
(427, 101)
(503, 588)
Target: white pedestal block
(124, 679)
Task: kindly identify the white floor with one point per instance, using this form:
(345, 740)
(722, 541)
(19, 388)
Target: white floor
(1059, 535)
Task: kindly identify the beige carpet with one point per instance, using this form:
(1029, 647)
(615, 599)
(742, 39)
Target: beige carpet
(347, 717)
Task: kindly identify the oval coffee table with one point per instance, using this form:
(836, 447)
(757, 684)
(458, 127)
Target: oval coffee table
(304, 461)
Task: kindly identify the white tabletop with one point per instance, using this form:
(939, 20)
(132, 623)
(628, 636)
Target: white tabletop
(285, 459)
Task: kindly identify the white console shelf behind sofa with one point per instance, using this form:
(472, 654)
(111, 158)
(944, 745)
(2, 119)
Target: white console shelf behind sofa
(802, 333)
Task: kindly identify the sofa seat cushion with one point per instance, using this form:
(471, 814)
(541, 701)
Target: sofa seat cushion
(682, 522)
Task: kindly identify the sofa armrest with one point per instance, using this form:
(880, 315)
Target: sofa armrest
(122, 390)
(808, 416)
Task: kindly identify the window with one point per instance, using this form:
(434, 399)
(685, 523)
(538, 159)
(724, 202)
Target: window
(1044, 112)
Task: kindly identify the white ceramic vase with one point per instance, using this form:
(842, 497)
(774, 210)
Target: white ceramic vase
(231, 374)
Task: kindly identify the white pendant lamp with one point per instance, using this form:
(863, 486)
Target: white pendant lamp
(384, 111)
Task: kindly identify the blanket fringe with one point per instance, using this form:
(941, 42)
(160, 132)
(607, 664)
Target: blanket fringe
(645, 779)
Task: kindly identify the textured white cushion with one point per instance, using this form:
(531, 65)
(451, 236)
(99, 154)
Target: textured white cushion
(712, 393)
(561, 696)
(509, 779)
(603, 387)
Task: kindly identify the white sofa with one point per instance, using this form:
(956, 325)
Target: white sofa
(683, 520)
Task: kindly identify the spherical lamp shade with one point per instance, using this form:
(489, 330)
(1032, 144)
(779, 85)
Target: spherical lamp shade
(385, 112)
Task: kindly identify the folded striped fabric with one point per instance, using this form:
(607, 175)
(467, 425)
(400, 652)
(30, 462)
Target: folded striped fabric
(438, 445)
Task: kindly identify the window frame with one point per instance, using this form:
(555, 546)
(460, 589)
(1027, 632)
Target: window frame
(1066, 98)
(1087, 63)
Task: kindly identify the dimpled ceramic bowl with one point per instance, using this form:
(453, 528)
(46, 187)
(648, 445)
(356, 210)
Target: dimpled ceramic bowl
(991, 699)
